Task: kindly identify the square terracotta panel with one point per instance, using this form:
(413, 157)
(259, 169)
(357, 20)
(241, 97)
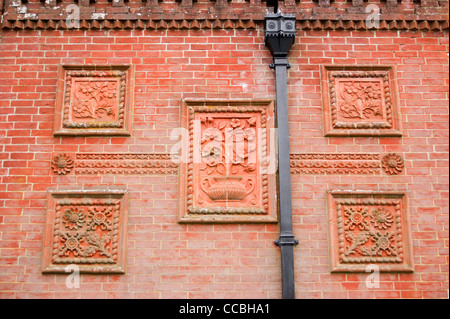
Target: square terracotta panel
(227, 176)
(368, 229)
(360, 101)
(86, 229)
(94, 100)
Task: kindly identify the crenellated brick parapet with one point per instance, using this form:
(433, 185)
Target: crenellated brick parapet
(320, 14)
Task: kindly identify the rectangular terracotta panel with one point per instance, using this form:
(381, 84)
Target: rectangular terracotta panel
(367, 229)
(86, 228)
(94, 100)
(226, 176)
(360, 101)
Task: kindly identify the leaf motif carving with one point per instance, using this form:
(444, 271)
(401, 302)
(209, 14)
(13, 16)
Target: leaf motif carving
(94, 100)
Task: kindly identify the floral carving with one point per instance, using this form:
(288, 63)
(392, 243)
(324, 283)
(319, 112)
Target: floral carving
(94, 100)
(392, 163)
(74, 218)
(384, 243)
(225, 178)
(367, 229)
(381, 218)
(356, 218)
(87, 231)
(71, 244)
(62, 164)
(212, 159)
(367, 233)
(99, 217)
(219, 134)
(98, 244)
(357, 241)
(227, 146)
(359, 101)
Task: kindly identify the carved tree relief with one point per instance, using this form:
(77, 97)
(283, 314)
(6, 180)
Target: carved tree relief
(228, 149)
(225, 179)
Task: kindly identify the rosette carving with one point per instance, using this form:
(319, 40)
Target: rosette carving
(62, 164)
(392, 163)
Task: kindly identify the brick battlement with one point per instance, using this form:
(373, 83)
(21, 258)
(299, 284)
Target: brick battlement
(326, 14)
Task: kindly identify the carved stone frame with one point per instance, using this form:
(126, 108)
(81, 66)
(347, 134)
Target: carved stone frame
(117, 199)
(190, 213)
(386, 76)
(339, 262)
(123, 75)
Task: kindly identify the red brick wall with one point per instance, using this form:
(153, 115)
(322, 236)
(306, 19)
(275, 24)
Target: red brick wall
(169, 260)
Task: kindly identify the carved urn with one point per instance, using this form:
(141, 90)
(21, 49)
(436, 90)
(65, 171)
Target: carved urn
(226, 188)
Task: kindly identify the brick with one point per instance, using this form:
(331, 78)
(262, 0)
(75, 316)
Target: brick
(166, 259)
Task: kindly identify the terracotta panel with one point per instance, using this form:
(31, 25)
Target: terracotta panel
(226, 176)
(368, 229)
(94, 100)
(360, 101)
(86, 228)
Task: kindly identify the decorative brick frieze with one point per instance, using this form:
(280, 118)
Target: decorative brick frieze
(360, 101)
(225, 176)
(232, 23)
(128, 164)
(321, 14)
(86, 228)
(347, 164)
(167, 164)
(114, 163)
(367, 229)
(94, 100)
(334, 164)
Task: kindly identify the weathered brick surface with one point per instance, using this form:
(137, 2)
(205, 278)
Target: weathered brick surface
(171, 260)
(223, 9)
